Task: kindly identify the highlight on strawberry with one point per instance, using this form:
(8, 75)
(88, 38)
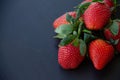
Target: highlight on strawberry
(89, 31)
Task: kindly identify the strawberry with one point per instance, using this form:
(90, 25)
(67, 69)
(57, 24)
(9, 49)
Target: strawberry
(108, 34)
(69, 56)
(62, 19)
(109, 3)
(118, 46)
(96, 16)
(100, 53)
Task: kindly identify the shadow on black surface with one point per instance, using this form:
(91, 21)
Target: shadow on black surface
(109, 71)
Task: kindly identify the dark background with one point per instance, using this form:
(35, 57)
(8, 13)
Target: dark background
(28, 50)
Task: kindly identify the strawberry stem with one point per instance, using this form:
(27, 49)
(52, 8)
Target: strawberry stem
(80, 28)
(87, 31)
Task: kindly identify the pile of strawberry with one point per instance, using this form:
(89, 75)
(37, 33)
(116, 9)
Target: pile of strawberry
(90, 30)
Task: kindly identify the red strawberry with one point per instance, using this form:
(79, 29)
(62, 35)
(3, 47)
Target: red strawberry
(100, 53)
(69, 57)
(109, 35)
(62, 19)
(118, 46)
(109, 3)
(96, 16)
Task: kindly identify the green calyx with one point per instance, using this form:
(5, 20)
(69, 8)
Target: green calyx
(115, 2)
(83, 47)
(78, 35)
(114, 27)
(80, 9)
(114, 42)
(96, 0)
(64, 29)
(73, 33)
(67, 40)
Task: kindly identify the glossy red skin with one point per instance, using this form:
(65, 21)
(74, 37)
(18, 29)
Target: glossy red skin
(96, 16)
(69, 57)
(118, 47)
(62, 19)
(100, 53)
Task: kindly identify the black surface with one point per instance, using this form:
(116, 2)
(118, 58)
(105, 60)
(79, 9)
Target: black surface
(27, 49)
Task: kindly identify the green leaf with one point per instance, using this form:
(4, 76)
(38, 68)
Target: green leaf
(116, 42)
(70, 19)
(87, 37)
(115, 2)
(84, 5)
(114, 28)
(75, 25)
(81, 8)
(59, 36)
(97, 0)
(87, 31)
(80, 28)
(67, 40)
(76, 42)
(83, 47)
(79, 13)
(112, 41)
(64, 29)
